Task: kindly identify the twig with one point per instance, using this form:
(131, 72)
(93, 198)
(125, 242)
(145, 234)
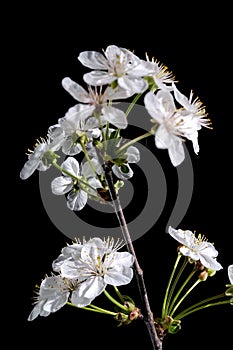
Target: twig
(148, 316)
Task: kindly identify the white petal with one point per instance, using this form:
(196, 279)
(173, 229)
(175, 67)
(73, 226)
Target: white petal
(119, 276)
(122, 175)
(117, 93)
(184, 237)
(69, 148)
(159, 106)
(208, 248)
(61, 185)
(133, 154)
(194, 138)
(69, 269)
(80, 112)
(115, 116)
(230, 273)
(121, 258)
(182, 99)
(28, 169)
(36, 310)
(112, 52)
(143, 69)
(162, 137)
(80, 301)
(93, 60)
(188, 252)
(76, 90)
(92, 287)
(71, 165)
(92, 123)
(136, 85)
(176, 151)
(53, 305)
(97, 78)
(210, 262)
(86, 170)
(76, 200)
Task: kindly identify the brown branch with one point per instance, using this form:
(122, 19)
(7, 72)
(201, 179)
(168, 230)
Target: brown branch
(147, 313)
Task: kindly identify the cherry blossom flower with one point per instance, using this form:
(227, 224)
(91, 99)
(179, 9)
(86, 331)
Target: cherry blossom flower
(230, 273)
(116, 64)
(229, 291)
(196, 248)
(124, 171)
(97, 104)
(69, 183)
(97, 263)
(42, 156)
(175, 124)
(54, 293)
(75, 131)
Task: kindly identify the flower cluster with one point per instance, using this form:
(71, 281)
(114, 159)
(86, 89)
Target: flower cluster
(83, 270)
(97, 163)
(93, 125)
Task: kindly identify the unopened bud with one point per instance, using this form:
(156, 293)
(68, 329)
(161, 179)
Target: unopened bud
(203, 275)
(134, 314)
(130, 306)
(211, 272)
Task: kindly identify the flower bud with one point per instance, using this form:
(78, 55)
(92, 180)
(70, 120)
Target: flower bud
(134, 314)
(203, 275)
(211, 272)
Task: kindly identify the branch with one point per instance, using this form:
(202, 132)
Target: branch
(148, 315)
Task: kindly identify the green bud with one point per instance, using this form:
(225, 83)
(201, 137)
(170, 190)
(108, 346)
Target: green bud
(130, 306)
(174, 327)
(211, 272)
(229, 291)
(122, 318)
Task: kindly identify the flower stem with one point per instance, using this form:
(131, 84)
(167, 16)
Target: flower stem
(131, 142)
(165, 302)
(184, 296)
(199, 304)
(180, 290)
(184, 314)
(94, 309)
(119, 294)
(148, 315)
(114, 301)
(132, 104)
(87, 157)
(174, 285)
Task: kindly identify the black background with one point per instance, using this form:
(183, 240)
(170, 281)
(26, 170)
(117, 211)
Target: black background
(42, 45)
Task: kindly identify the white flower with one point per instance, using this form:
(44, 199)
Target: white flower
(70, 252)
(230, 273)
(97, 264)
(117, 64)
(160, 74)
(124, 171)
(54, 293)
(73, 129)
(174, 124)
(229, 291)
(196, 248)
(195, 116)
(42, 156)
(78, 192)
(97, 103)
